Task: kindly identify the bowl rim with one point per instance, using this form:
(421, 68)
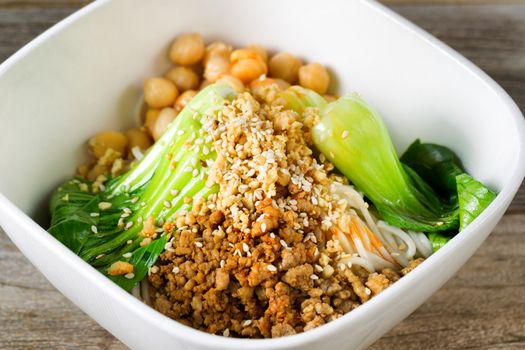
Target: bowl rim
(197, 337)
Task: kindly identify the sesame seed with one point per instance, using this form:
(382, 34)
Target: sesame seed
(245, 247)
(104, 205)
(344, 134)
(143, 204)
(341, 266)
(94, 215)
(349, 264)
(134, 200)
(263, 227)
(272, 235)
(127, 210)
(125, 215)
(127, 255)
(94, 229)
(246, 323)
(129, 275)
(226, 332)
(195, 172)
(66, 198)
(314, 277)
(332, 155)
(283, 243)
(155, 269)
(198, 244)
(222, 263)
(129, 241)
(318, 268)
(205, 150)
(129, 224)
(175, 270)
(174, 192)
(167, 204)
(271, 268)
(368, 291)
(99, 256)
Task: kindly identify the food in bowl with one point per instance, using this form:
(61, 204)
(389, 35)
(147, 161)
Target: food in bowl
(247, 206)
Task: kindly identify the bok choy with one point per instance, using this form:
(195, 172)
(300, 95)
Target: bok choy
(123, 220)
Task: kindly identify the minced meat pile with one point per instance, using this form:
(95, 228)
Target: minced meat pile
(254, 260)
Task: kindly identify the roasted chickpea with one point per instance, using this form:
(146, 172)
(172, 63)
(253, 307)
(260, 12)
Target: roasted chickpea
(187, 49)
(149, 120)
(138, 138)
(315, 77)
(100, 143)
(260, 51)
(234, 82)
(216, 66)
(166, 116)
(247, 65)
(184, 78)
(217, 48)
(267, 87)
(183, 100)
(159, 92)
(285, 66)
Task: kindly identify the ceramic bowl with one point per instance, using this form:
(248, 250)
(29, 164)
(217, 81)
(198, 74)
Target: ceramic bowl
(85, 74)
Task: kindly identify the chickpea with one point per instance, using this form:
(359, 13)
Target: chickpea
(138, 138)
(204, 84)
(184, 78)
(217, 48)
(151, 117)
(100, 143)
(216, 66)
(247, 65)
(159, 92)
(263, 88)
(166, 116)
(260, 51)
(284, 65)
(234, 82)
(187, 49)
(183, 100)
(244, 54)
(315, 77)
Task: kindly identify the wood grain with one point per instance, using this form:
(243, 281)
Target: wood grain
(482, 307)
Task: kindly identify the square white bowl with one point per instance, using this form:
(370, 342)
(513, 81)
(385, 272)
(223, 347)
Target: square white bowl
(85, 74)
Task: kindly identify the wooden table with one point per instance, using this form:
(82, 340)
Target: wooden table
(482, 307)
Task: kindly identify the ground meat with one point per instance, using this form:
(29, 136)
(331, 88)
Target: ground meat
(255, 259)
(412, 265)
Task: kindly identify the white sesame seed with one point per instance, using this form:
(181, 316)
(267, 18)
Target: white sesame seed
(94, 229)
(134, 200)
(246, 323)
(175, 270)
(195, 172)
(272, 235)
(129, 224)
(143, 204)
(155, 269)
(271, 268)
(245, 247)
(205, 150)
(99, 256)
(314, 277)
(344, 134)
(331, 155)
(104, 205)
(174, 193)
(226, 332)
(222, 263)
(127, 255)
(125, 215)
(129, 241)
(167, 204)
(341, 266)
(283, 243)
(198, 244)
(127, 210)
(129, 275)
(349, 264)
(318, 268)
(368, 291)
(94, 215)
(263, 227)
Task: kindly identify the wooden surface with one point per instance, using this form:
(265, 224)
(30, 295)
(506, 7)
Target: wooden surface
(482, 307)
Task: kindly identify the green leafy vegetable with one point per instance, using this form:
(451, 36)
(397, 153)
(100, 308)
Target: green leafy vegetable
(438, 240)
(105, 227)
(474, 197)
(353, 137)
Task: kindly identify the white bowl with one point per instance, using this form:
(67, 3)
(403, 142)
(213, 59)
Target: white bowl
(85, 73)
